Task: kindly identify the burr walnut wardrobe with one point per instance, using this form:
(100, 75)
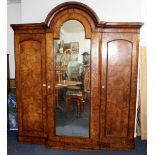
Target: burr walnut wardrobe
(112, 69)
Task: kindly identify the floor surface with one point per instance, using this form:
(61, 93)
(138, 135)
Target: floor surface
(16, 148)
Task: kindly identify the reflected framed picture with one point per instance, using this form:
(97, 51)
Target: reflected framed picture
(66, 46)
(74, 47)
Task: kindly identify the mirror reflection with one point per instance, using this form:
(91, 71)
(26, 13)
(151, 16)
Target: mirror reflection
(72, 80)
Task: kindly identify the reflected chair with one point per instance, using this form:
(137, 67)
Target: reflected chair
(76, 98)
(74, 94)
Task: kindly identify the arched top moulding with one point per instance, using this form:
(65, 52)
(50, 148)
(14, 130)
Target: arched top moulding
(73, 7)
(77, 8)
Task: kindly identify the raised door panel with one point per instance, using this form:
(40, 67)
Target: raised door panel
(30, 71)
(116, 79)
(30, 78)
(118, 87)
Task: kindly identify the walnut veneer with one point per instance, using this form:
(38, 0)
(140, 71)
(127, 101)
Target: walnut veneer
(114, 60)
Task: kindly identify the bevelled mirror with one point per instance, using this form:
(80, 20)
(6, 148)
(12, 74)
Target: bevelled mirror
(72, 80)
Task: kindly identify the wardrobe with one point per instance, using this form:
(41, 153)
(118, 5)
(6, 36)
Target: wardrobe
(113, 54)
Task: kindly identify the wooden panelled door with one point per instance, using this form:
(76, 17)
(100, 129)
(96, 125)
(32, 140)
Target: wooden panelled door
(118, 58)
(30, 77)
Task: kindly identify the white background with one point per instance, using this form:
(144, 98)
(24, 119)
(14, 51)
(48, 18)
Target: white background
(13, 17)
(107, 10)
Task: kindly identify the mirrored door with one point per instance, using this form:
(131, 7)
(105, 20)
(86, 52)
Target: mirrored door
(72, 81)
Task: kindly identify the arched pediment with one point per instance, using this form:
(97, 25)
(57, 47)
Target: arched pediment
(72, 6)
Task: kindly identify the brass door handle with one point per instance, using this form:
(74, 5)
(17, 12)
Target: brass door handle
(44, 84)
(49, 89)
(102, 87)
(49, 86)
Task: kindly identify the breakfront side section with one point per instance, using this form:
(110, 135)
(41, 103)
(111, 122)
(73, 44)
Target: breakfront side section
(119, 62)
(30, 79)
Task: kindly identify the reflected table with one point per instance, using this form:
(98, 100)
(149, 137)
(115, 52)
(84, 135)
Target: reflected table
(64, 84)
